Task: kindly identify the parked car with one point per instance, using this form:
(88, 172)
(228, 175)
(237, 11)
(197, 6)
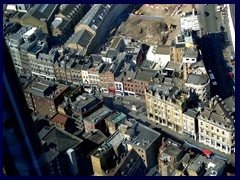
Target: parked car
(229, 69)
(230, 74)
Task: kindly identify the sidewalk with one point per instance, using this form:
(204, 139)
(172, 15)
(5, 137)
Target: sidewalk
(181, 137)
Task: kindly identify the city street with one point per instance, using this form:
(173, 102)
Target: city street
(214, 43)
(166, 132)
(212, 48)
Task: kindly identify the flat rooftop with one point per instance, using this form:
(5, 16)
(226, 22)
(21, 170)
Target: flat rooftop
(197, 79)
(40, 86)
(84, 102)
(98, 115)
(119, 118)
(163, 49)
(35, 49)
(192, 53)
(115, 42)
(143, 137)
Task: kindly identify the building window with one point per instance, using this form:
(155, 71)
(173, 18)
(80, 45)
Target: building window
(212, 142)
(223, 139)
(212, 128)
(217, 130)
(223, 132)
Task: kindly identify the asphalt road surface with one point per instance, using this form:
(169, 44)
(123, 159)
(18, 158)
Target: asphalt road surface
(212, 48)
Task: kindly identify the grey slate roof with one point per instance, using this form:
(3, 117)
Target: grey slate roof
(61, 139)
(219, 112)
(82, 37)
(197, 79)
(192, 53)
(191, 113)
(93, 16)
(98, 115)
(144, 75)
(68, 8)
(198, 162)
(95, 136)
(42, 11)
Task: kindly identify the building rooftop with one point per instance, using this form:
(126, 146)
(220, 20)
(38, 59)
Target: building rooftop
(128, 163)
(129, 76)
(163, 49)
(219, 113)
(191, 53)
(59, 119)
(214, 166)
(35, 49)
(116, 117)
(40, 86)
(96, 136)
(48, 89)
(112, 54)
(87, 66)
(18, 15)
(144, 75)
(84, 101)
(42, 12)
(171, 149)
(150, 65)
(174, 66)
(82, 38)
(58, 139)
(142, 137)
(69, 10)
(168, 92)
(115, 140)
(94, 16)
(98, 115)
(28, 45)
(96, 58)
(197, 79)
(189, 23)
(198, 163)
(115, 42)
(191, 112)
(78, 67)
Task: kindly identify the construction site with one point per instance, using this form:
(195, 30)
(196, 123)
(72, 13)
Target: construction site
(154, 24)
